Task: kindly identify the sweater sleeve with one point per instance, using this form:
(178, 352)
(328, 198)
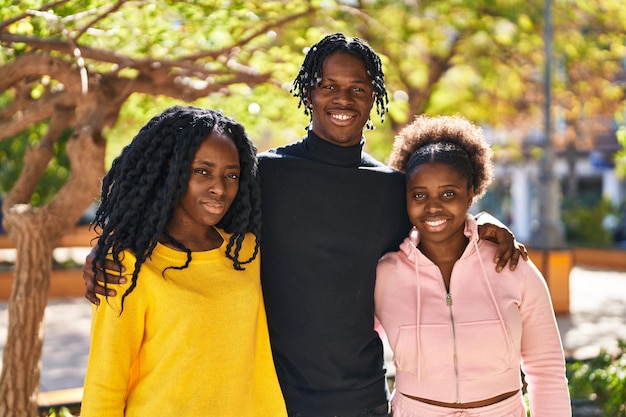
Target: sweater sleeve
(115, 342)
(543, 360)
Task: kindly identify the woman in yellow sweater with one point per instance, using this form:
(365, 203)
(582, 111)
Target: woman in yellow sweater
(187, 335)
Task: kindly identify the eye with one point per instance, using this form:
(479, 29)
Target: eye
(233, 176)
(419, 196)
(201, 171)
(448, 194)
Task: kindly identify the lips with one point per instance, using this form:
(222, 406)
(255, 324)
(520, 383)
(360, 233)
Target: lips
(214, 207)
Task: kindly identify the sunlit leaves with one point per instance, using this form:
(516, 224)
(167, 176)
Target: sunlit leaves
(620, 157)
(481, 58)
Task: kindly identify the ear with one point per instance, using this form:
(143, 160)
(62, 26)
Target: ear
(470, 197)
(309, 99)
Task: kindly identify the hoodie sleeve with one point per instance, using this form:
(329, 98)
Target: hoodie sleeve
(543, 360)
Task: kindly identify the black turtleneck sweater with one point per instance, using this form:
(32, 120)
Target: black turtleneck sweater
(329, 214)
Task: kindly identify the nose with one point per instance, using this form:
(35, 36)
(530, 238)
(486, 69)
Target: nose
(433, 207)
(343, 97)
(217, 187)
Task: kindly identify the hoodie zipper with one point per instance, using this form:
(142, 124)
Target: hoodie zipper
(456, 363)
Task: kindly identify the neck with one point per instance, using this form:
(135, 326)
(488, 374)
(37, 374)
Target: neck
(323, 151)
(444, 252)
(445, 255)
(195, 242)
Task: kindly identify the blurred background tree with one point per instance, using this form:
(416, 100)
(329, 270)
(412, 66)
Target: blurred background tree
(620, 156)
(78, 79)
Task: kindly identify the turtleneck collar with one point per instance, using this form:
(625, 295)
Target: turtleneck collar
(323, 151)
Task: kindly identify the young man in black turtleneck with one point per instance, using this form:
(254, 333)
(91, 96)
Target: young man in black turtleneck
(330, 211)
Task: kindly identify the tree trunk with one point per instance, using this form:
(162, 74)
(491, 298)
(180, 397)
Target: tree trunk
(36, 232)
(22, 352)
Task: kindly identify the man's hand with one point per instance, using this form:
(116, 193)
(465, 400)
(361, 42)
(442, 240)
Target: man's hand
(509, 249)
(91, 286)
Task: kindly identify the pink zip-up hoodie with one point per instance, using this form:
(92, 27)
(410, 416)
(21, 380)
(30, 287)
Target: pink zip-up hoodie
(468, 345)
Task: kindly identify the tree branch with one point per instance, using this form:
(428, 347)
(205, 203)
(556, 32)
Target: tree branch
(85, 149)
(244, 40)
(112, 9)
(35, 65)
(4, 24)
(36, 159)
(63, 46)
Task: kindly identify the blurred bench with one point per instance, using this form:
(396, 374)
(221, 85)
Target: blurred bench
(64, 281)
(600, 258)
(556, 265)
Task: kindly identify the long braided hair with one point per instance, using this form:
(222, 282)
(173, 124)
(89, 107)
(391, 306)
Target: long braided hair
(147, 180)
(310, 74)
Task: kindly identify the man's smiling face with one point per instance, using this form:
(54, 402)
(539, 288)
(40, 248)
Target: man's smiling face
(341, 104)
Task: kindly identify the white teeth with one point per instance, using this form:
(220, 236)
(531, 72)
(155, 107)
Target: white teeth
(435, 223)
(341, 116)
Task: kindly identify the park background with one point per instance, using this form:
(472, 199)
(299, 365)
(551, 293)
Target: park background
(545, 79)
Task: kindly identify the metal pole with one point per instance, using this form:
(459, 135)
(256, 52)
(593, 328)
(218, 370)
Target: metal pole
(549, 231)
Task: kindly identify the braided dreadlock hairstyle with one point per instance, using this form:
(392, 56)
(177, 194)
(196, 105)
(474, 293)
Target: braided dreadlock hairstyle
(452, 140)
(310, 74)
(146, 182)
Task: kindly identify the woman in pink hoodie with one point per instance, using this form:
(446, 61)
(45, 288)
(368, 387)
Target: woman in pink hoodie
(459, 330)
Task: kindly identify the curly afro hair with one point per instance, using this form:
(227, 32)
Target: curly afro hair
(452, 140)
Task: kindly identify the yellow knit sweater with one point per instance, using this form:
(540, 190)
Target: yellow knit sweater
(192, 343)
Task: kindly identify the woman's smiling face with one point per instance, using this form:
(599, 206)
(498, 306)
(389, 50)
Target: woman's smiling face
(438, 198)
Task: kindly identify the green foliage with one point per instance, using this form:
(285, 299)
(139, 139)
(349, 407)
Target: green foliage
(601, 379)
(172, 31)
(11, 156)
(481, 59)
(261, 109)
(620, 156)
(60, 412)
(583, 218)
(445, 54)
(268, 112)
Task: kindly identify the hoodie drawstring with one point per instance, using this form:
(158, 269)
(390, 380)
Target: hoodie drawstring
(494, 301)
(418, 313)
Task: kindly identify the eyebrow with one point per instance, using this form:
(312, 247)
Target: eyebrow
(441, 186)
(212, 164)
(354, 81)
